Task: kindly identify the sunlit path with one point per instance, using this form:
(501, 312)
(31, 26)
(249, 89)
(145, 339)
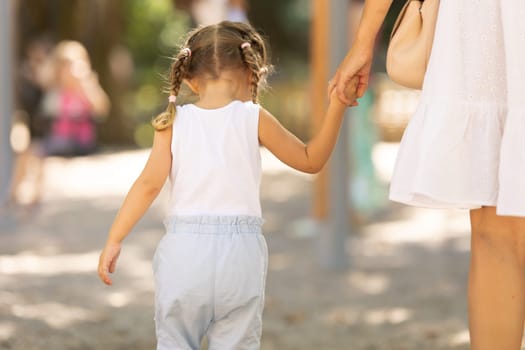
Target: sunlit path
(404, 289)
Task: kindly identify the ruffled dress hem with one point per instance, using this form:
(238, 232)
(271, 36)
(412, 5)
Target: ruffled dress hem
(449, 158)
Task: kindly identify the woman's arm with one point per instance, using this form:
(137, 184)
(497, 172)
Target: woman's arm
(358, 61)
(374, 13)
(309, 158)
(139, 198)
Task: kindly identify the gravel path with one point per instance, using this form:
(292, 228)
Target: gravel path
(404, 288)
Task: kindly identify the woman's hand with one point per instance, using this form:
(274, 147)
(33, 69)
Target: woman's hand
(350, 92)
(108, 262)
(357, 63)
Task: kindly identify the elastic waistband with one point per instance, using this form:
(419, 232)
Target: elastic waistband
(214, 225)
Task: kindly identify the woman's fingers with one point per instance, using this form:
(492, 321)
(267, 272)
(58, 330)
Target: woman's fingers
(356, 64)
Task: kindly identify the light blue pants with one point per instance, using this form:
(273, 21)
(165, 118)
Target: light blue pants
(210, 274)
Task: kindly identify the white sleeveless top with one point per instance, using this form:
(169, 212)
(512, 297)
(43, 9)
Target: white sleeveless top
(216, 164)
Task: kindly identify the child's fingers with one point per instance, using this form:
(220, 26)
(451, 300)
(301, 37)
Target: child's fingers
(104, 275)
(345, 88)
(113, 264)
(351, 91)
(361, 88)
(332, 84)
(108, 262)
(340, 89)
(103, 270)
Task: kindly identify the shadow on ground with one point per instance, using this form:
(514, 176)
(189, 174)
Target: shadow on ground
(404, 288)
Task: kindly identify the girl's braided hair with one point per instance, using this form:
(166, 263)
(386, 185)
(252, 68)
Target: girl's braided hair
(211, 49)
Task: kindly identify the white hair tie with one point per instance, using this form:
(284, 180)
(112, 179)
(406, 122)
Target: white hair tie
(186, 51)
(245, 45)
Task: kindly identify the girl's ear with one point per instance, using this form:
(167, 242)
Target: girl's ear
(193, 84)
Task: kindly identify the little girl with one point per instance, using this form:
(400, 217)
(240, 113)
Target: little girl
(210, 267)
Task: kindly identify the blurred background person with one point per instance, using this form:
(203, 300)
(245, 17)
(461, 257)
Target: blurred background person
(62, 101)
(237, 11)
(30, 127)
(74, 103)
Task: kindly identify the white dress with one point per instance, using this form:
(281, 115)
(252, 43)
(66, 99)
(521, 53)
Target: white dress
(465, 145)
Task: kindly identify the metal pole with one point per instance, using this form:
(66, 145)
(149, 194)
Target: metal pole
(337, 227)
(6, 96)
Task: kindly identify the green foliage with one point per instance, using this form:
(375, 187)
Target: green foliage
(286, 24)
(155, 29)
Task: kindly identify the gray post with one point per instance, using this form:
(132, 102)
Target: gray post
(6, 96)
(337, 228)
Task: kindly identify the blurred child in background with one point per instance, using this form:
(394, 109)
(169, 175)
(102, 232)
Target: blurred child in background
(74, 103)
(30, 128)
(62, 101)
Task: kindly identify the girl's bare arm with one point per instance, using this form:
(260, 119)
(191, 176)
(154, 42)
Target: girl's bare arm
(139, 198)
(311, 157)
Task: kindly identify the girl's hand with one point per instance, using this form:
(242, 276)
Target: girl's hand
(357, 63)
(309, 158)
(350, 93)
(108, 262)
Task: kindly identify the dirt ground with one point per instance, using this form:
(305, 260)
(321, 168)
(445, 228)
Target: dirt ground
(404, 288)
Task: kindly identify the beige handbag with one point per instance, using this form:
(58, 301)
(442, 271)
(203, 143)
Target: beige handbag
(411, 43)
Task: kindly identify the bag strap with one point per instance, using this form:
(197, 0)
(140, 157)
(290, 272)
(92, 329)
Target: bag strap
(400, 17)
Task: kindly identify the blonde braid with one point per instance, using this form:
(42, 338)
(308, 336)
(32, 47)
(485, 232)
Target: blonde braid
(254, 62)
(178, 71)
